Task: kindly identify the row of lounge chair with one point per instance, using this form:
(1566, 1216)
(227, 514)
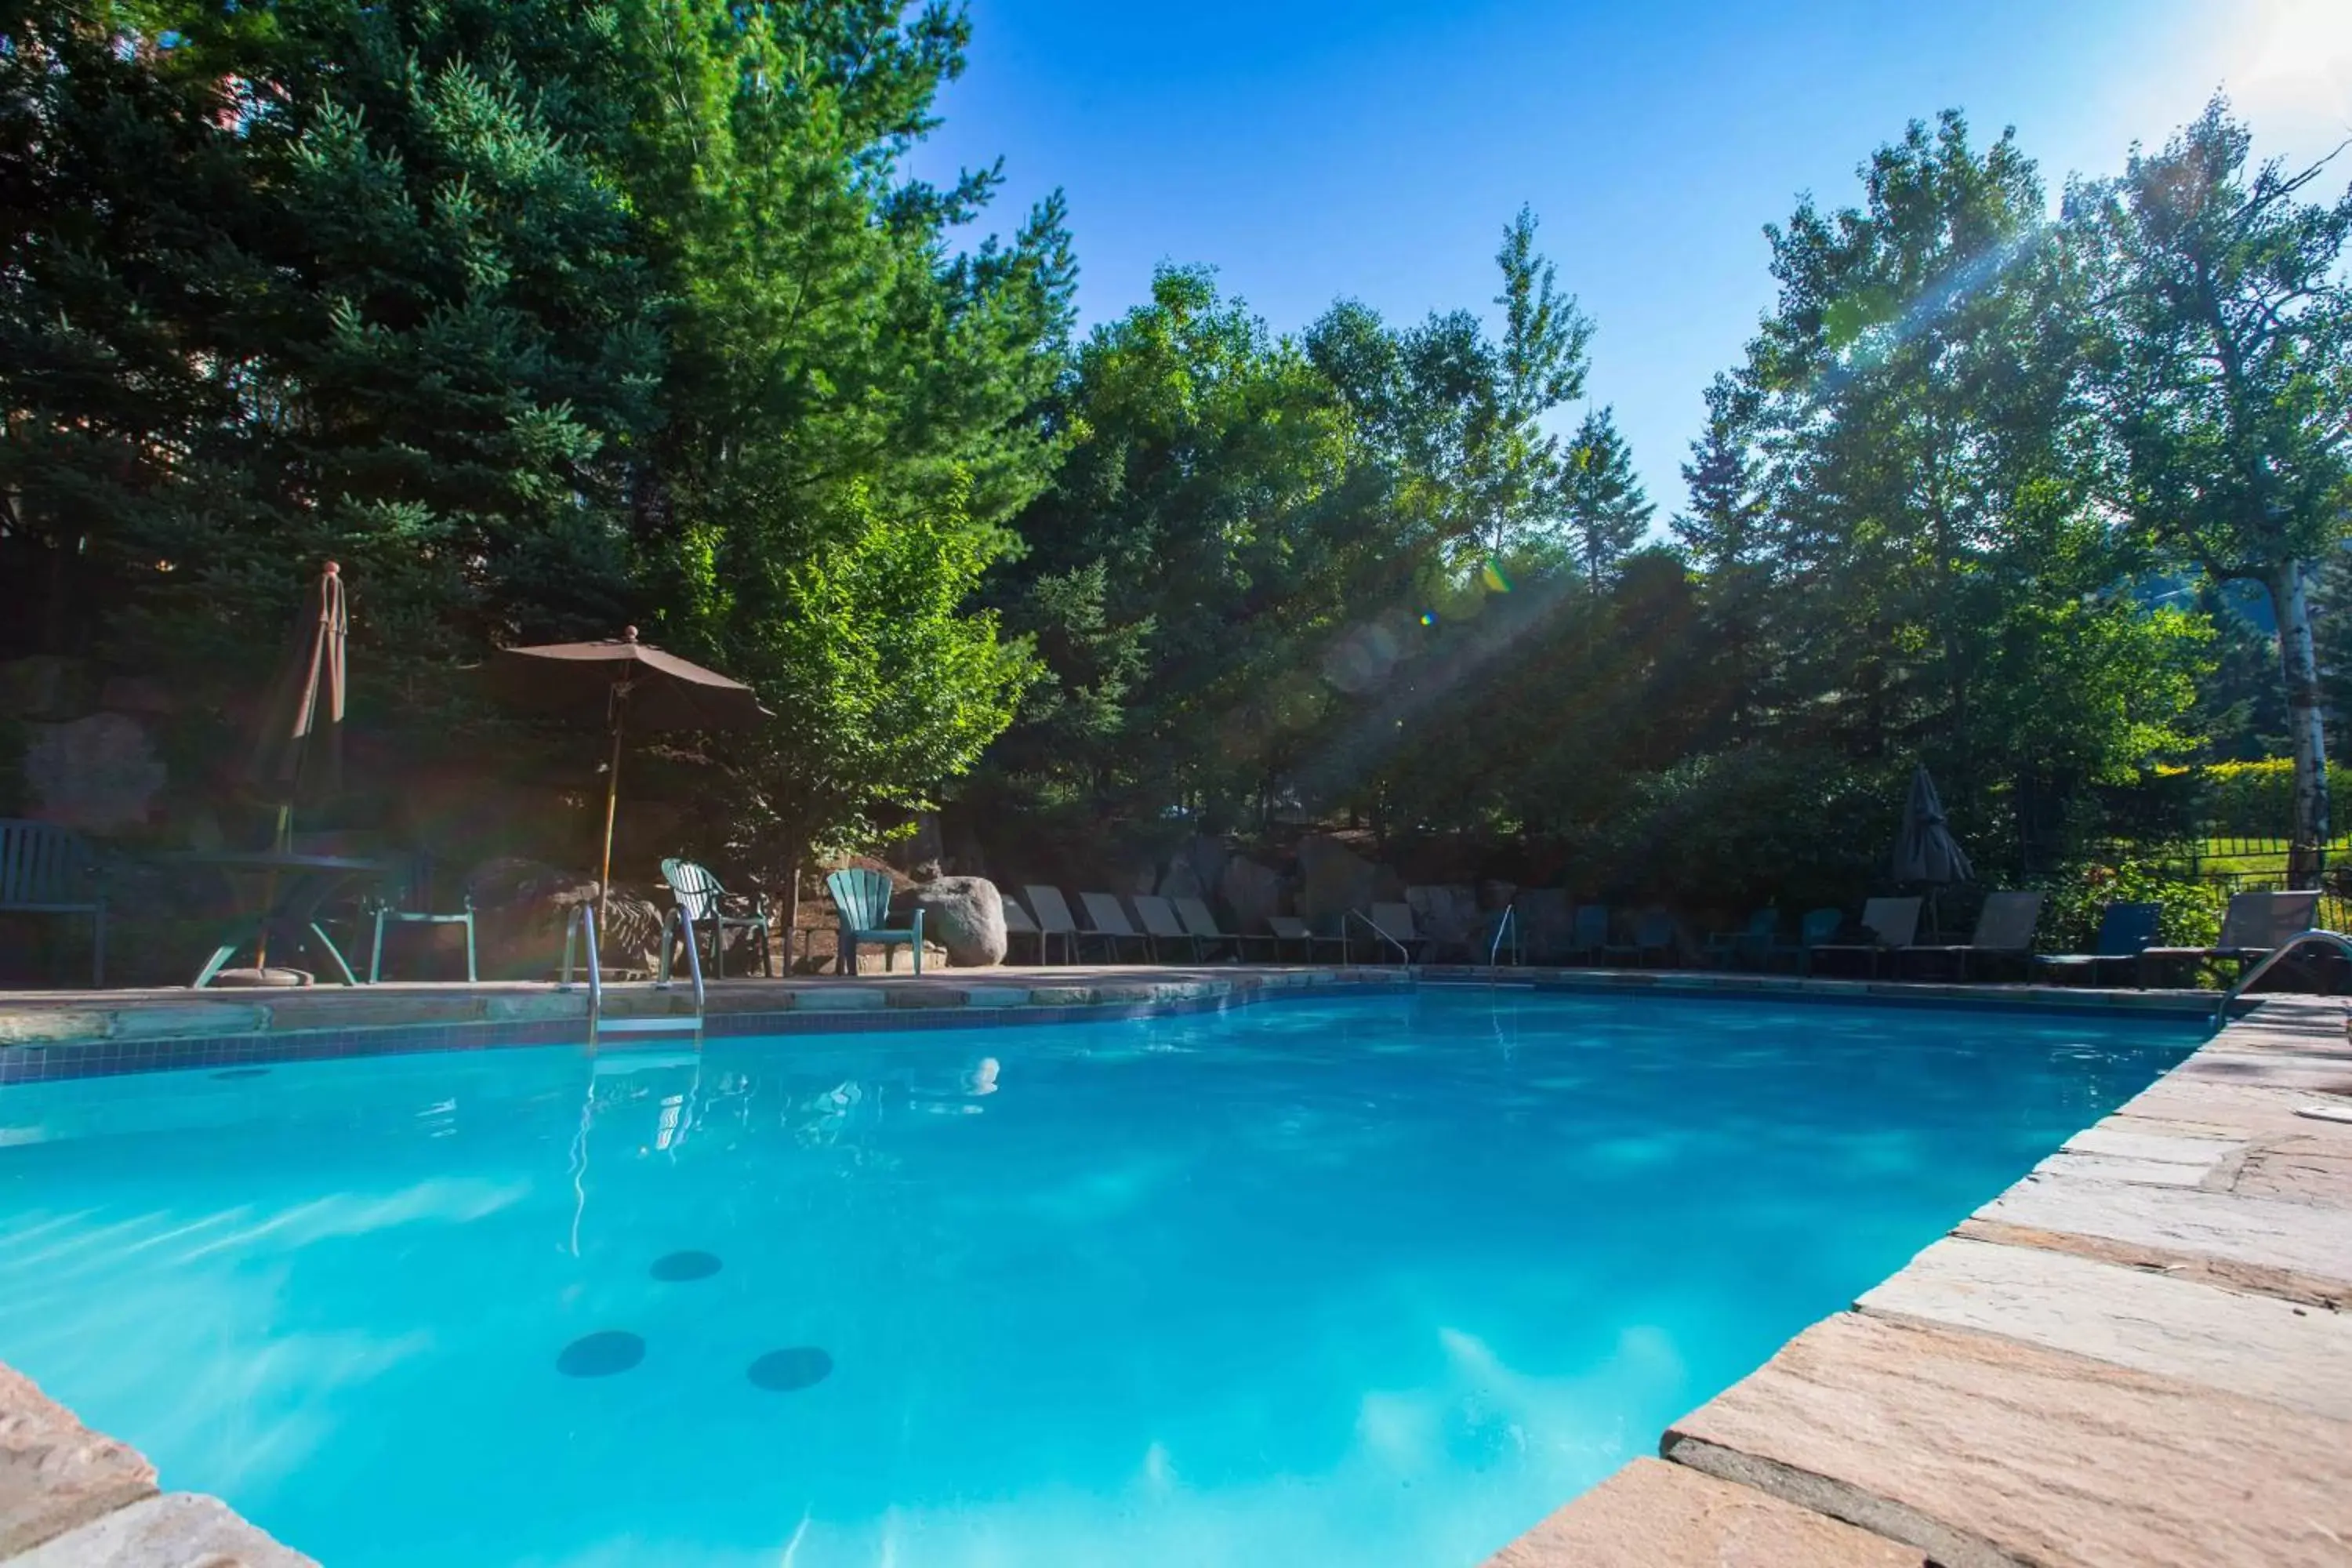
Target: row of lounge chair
(1163, 928)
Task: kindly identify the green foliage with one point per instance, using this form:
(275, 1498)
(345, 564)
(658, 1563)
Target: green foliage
(2223, 357)
(2256, 799)
(2075, 899)
(541, 318)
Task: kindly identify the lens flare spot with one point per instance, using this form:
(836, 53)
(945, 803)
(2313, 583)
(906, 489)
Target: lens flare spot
(1491, 575)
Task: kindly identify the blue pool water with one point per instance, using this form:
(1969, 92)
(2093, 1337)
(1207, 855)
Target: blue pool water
(1379, 1280)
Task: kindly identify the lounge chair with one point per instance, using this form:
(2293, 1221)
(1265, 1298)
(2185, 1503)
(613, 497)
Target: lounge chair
(49, 870)
(1054, 918)
(1110, 923)
(1893, 922)
(388, 903)
(1018, 924)
(1393, 930)
(1541, 923)
(1653, 933)
(1160, 924)
(2253, 926)
(1202, 923)
(2004, 930)
(1588, 934)
(1293, 928)
(1747, 946)
(862, 899)
(698, 893)
(2125, 929)
(1815, 929)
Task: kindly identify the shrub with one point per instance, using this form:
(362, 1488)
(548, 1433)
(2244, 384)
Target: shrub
(2076, 899)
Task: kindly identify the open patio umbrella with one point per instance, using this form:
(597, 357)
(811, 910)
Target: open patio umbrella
(632, 686)
(297, 753)
(1926, 853)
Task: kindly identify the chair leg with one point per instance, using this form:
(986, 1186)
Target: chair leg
(916, 946)
(471, 975)
(375, 952)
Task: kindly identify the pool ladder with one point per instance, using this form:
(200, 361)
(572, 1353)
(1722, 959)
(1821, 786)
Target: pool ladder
(584, 925)
(2336, 939)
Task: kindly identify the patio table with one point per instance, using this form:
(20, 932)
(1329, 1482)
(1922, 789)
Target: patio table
(280, 893)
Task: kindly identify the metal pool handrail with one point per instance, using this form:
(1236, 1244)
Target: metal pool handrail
(1509, 924)
(1403, 952)
(2337, 939)
(583, 923)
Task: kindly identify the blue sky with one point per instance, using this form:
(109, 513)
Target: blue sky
(1311, 149)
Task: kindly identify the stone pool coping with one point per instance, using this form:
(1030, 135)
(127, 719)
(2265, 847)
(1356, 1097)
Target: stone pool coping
(2139, 1354)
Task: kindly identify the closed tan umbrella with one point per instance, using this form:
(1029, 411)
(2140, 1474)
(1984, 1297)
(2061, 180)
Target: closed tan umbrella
(297, 753)
(632, 686)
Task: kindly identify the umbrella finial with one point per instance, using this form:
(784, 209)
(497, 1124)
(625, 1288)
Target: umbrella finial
(628, 634)
(332, 568)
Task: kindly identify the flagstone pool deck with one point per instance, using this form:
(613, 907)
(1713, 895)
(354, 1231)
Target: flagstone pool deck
(2139, 1354)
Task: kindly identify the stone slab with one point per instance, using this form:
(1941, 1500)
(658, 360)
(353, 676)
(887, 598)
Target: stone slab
(180, 1529)
(2124, 1142)
(1988, 1453)
(2256, 1069)
(2300, 1172)
(2270, 1232)
(2246, 1111)
(193, 1019)
(2248, 1279)
(840, 999)
(2143, 1172)
(535, 1008)
(1652, 1514)
(2299, 1356)
(995, 996)
(56, 1473)
(53, 1026)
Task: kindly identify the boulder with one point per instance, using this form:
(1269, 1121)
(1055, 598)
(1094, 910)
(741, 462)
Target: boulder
(1333, 880)
(1446, 914)
(965, 915)
(1195, 870)
(522, 909)
(1251, 892)
(101, 773)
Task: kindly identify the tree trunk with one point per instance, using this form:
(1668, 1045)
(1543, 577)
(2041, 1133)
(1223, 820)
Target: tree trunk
(2299, 665)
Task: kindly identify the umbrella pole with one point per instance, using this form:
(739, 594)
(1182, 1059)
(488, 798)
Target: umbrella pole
(612, 802)
(279, 841)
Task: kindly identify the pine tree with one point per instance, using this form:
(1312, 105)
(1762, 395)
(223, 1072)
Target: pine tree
(1605, 507)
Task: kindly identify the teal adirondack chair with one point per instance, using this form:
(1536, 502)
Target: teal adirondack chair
(698, 894)
(862, 897)
(46, 870)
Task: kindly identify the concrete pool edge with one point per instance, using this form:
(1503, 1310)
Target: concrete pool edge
(2141, 1352)
(47, 1036)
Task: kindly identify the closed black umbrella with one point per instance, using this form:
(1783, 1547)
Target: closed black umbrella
(630, 686)
(1926, 853)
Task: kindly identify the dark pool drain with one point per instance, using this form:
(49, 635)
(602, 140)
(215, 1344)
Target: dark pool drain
(681, 1266)
(781, 1372)
(601, 1355)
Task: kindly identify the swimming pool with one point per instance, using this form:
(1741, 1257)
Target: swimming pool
(1372, 1279)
